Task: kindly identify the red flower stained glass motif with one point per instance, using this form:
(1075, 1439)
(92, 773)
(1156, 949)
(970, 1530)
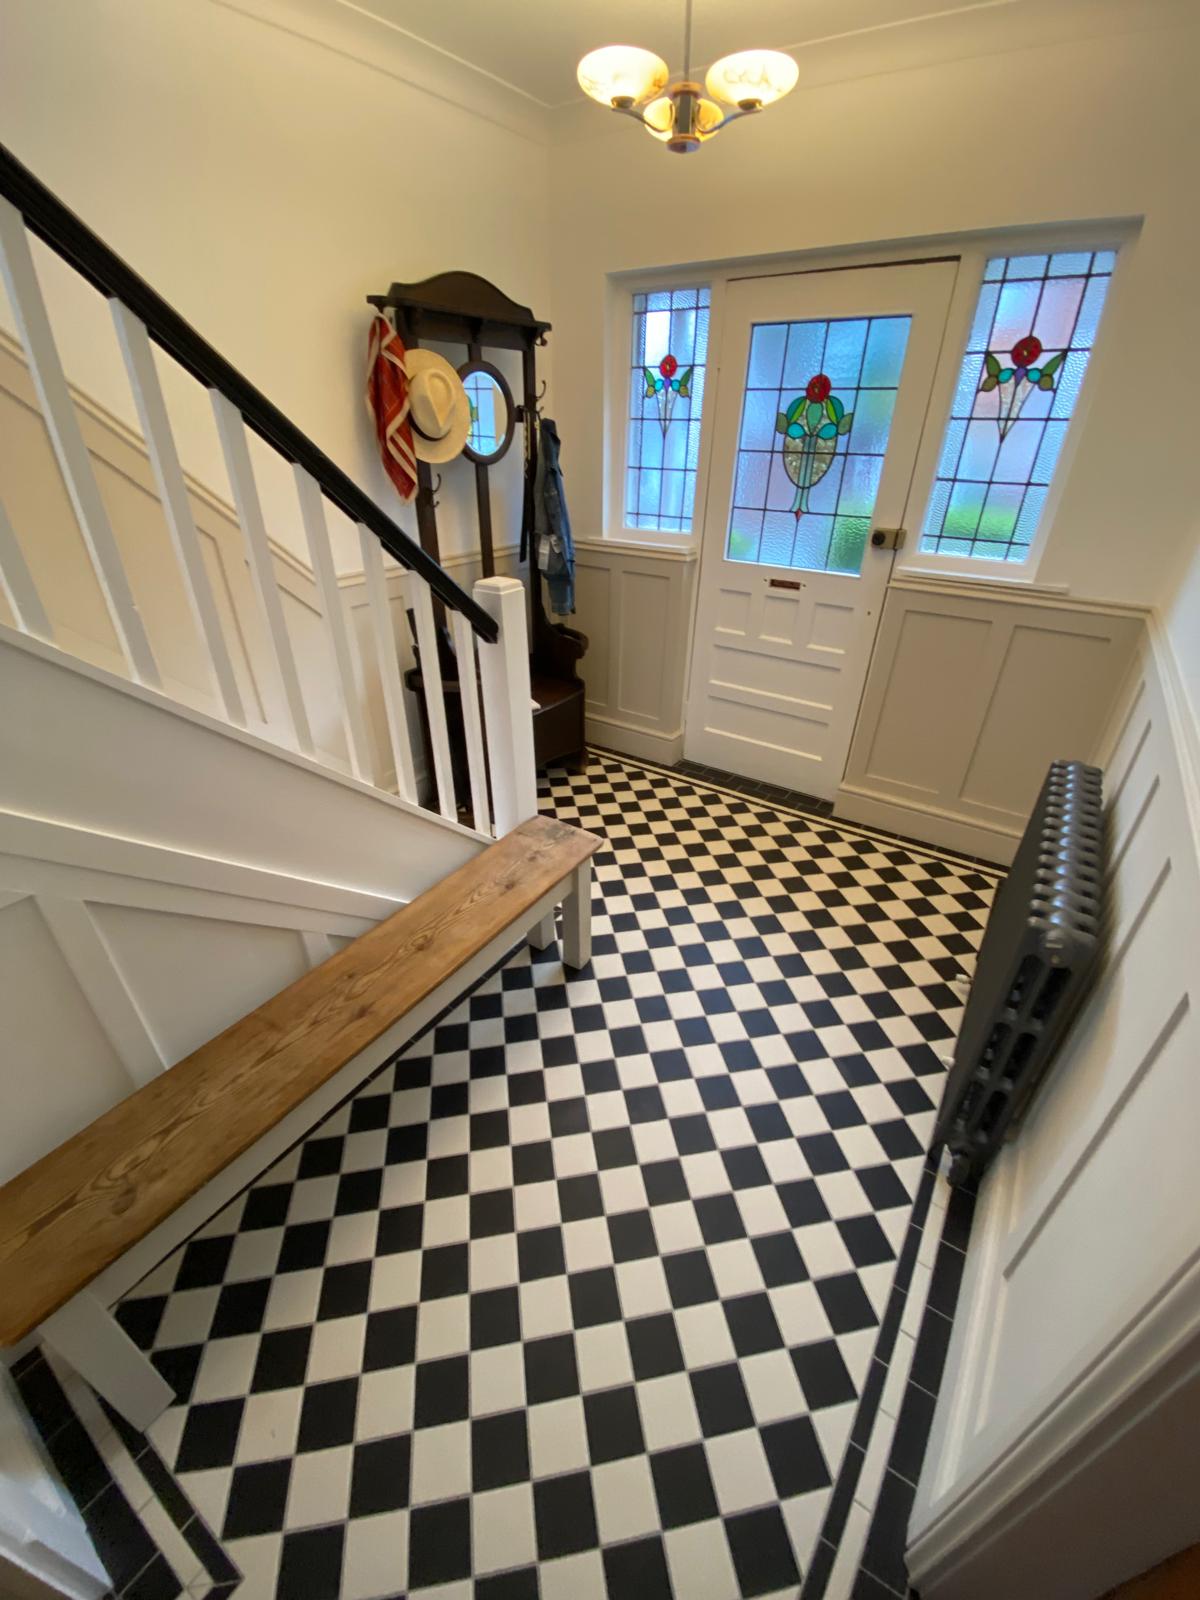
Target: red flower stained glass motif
(1016, 383)
(818, 388)
(666, 387)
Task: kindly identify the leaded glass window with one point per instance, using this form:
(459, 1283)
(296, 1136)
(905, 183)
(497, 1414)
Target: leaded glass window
(666, 395)
(816, 414)
(1029, 346)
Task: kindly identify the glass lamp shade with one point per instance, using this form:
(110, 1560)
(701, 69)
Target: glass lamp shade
(709, 118)
(621, 74)
(659, 118)
(751, 78)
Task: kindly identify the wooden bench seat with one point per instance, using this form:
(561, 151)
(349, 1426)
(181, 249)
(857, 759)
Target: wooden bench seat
(71, 1214)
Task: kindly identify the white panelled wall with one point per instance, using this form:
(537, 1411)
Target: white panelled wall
(971, 694)
(1063, 1453)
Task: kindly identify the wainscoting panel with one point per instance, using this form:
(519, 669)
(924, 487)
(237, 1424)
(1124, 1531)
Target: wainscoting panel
(635, 603)
(971, 694)
(1062, 1458)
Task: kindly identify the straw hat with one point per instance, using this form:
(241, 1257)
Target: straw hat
(440, 412)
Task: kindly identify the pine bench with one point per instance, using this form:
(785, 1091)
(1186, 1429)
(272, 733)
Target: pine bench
(118, 1183)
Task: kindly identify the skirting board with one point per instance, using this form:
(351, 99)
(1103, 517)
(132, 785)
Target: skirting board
(924, 822)
(664, 748)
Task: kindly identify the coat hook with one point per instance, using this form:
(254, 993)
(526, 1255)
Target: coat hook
(435, 490)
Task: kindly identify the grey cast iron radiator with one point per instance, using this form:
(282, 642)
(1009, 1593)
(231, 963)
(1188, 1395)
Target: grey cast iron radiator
(1038, 954)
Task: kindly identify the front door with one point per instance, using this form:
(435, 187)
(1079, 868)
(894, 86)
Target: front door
(821, 396)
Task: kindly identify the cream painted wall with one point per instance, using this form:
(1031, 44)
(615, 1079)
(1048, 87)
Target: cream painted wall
(1106, 127)
(265, 184)
(1181, 621)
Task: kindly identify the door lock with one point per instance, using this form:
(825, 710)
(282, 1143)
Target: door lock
(887, 538)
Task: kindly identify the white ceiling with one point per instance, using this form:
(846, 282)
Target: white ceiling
(532, 46)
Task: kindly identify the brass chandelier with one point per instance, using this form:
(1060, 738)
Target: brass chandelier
(638, 84)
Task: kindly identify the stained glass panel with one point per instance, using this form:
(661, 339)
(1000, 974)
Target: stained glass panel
(816, 414)
(1029, 345)
(666, 395)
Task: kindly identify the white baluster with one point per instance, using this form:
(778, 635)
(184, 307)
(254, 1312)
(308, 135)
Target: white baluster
(468, 689)
(435, 703)
(384, 635)
(234, 446)
(18, 585)
(316, 530)
(508, 715)
(177, 508)
(58, 410)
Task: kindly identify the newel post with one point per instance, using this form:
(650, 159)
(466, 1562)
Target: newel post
(508, 715)
(508, 703)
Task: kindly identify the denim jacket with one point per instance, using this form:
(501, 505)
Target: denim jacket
(553, 546)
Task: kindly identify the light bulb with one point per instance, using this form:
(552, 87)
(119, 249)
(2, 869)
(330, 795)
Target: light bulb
(622, 75)
(752, 78)
(709, 117)
(659, 117)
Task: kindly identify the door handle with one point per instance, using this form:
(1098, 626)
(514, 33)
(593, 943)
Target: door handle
(888, 538)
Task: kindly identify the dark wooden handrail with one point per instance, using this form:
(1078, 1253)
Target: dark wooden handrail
(46, 216)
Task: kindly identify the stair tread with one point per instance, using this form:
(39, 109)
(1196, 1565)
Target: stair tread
(71, 1214)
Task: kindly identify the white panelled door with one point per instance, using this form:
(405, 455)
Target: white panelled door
(821, 396)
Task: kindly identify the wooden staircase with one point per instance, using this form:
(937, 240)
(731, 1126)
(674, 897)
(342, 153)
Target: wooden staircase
(114, 1184)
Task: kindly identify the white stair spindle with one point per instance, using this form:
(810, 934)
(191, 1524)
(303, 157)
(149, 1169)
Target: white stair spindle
(19, 589)
(172, 490)
(435, 703)
(384, 635)
(468, 689)
(58, 411)
(316, 531)
(507, 703)
(236, 450)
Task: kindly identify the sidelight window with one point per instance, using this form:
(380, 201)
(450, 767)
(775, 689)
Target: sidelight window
(1028, 350)
(666, 394)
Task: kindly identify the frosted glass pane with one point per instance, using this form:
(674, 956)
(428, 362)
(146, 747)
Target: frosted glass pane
(1069, 263)
(1014, 316)
(1014, 463)
(1027, 267)
(985, 311)
(886, 344)
(872, 420)
(750, 478)
(1027, 352)
(979, 451)
(805, 353)
(672, 494)
(759, 410)
(849, 544)
(807, 542)
(649, 491)
(767, 344)
(1089, 313)
(674, 447)
(963, 512)
(844, 352)
(860, 485)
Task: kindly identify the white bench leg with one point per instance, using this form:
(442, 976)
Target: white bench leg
(542, 933)
(577, 919)
(92, 1341)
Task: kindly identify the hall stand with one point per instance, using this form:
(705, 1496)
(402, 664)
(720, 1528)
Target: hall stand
(463, 308)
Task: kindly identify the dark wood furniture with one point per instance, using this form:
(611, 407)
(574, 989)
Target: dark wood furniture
(463, 308)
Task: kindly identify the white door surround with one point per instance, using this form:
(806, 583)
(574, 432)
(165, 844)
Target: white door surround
(782, 642)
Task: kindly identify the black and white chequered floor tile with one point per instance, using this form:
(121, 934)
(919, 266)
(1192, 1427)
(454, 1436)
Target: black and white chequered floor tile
(577, 1298)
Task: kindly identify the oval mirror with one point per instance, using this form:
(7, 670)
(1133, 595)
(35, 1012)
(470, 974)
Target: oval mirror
(492, 413)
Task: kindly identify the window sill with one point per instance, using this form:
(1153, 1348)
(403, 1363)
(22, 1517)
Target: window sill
(664, 548)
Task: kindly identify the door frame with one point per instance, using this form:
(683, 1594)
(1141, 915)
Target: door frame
(971, 252)
(860, 262)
